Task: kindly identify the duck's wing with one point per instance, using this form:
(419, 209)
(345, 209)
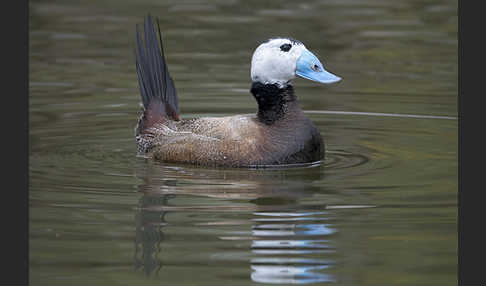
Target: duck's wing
(157, 89)
(204, 141)
(168, 143)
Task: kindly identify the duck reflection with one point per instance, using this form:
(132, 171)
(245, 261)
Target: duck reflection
(287, 242)
(290, 247)
(148, 234)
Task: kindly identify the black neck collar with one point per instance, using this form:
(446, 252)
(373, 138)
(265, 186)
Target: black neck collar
(273, 101)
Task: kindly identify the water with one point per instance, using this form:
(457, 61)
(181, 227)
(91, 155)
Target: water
(380, 210)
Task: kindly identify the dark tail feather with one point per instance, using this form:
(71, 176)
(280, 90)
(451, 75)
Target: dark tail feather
(157, 89)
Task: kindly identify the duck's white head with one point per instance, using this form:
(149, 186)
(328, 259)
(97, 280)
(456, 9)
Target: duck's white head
(278, 61)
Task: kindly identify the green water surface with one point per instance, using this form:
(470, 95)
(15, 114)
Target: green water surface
(380, 210)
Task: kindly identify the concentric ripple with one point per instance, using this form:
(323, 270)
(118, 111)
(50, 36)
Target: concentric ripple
(341, 159)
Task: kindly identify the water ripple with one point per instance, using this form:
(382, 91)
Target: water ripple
(340, 159)
(420, 116)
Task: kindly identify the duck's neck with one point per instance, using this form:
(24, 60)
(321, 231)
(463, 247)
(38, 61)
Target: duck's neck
(274, 102)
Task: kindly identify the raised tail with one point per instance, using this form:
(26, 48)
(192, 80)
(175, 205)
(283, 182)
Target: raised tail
(157, 89)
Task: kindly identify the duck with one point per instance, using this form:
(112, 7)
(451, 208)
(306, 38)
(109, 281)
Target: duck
(279, 133)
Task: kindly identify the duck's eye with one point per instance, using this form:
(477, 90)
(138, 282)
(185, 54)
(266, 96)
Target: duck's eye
(315, 67)
(285, 47)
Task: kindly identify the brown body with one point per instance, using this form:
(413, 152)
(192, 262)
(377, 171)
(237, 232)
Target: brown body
(241, 140)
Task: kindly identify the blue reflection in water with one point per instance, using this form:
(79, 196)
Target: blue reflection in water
(276, 274)
(292, 229)
(282, 237)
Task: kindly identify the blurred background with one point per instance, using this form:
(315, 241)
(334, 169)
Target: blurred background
(381, 208)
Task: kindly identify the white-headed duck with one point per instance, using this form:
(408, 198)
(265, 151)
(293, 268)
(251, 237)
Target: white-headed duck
(279, 133)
